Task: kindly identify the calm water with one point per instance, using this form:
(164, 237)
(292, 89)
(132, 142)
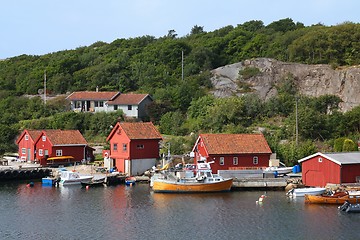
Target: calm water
(122, 212)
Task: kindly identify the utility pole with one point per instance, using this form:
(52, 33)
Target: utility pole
(182, 65)
(296, 122)
(45, 87)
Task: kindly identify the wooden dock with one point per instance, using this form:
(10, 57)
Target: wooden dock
(23, 173)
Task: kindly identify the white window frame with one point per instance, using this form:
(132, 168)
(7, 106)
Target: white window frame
(43, 138)
(115, 147)
(320, 159)
(124, 147)
(26, 137)
(23, 151)
(235, 160)
(41, 153)
(222, 161)
(59, 152)
(255, 160)
(140, 146)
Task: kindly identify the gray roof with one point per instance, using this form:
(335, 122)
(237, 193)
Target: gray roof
(339, 158)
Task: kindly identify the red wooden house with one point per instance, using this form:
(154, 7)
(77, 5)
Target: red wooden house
(62, 143)
(26, 143)
(134, 146)
(337, 168)
(233, 151)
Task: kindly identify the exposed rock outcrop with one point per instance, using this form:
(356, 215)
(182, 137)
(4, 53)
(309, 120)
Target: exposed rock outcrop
(311, 80)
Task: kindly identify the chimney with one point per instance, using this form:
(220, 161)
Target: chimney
(97, 88)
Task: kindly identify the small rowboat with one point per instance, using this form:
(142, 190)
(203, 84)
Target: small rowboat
(93, 183)
(300, 192)
(337, 198)
(129, 181)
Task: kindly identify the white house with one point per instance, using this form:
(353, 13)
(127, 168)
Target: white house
(133, 105)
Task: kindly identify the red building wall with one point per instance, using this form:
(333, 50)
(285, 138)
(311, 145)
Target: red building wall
(27, 144)
(142, 149)
(244, 160)
(349, 172)
(78, 152)
(317, 173)
(133, 150)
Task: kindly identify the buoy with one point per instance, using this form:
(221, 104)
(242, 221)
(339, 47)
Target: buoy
(87, 187)
(261, 198)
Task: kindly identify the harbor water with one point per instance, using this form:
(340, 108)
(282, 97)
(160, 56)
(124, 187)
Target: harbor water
(135, 212)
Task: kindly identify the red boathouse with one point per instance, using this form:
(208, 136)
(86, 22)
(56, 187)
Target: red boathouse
(134, 146)
(320, 169)
(233, 151)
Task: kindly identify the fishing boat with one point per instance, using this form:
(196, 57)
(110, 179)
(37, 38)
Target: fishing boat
(300, 192)
(69, 178)
(129, 181)
(350, 208)
(189, 181)
(336, 198)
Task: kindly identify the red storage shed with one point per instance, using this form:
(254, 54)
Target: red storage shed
(320, 169)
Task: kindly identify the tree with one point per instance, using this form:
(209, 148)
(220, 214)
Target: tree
(197, 30)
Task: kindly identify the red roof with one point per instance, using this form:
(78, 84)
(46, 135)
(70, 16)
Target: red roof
(87, 95)
(128, 99)
(34, 134)
(65, 137)
(235, 143)
(137, 130)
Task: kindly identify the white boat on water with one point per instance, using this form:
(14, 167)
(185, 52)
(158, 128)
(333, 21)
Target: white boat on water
(300, 192)
(69, 178)
(278, 170)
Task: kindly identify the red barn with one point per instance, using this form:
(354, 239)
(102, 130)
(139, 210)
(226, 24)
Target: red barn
(134, 146)
(26, 143)
(58, 143)
(337, 168)
(233, 151)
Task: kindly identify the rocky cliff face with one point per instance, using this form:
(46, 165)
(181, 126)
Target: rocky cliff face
(311, 80)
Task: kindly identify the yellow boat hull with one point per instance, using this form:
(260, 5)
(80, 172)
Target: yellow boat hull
(194, 187)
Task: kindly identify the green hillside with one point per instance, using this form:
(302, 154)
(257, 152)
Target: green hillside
(182, 104)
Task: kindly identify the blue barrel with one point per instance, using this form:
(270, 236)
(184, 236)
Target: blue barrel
(298, 169)
(294, 169)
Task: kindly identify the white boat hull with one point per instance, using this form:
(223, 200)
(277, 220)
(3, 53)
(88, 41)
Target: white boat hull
(300, 192)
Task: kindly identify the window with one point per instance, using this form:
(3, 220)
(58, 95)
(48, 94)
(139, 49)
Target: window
(41, 152)
(78, 104)
(124, 146)
(320, 159)
(101, 104)
(129, 107)
(58, 152)
(115, 147)
(235, 161)
(43, 138)
(255, 160)
(222, 162)
(115, 107)
(26, 137)
(140, 146)
(23, 151)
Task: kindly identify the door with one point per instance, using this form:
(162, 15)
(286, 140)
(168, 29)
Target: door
(28, 155)
(128, 167)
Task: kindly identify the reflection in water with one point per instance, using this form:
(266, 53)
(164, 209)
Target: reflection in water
(121, 212)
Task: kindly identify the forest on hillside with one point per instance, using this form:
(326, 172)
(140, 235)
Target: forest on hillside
(182, 105)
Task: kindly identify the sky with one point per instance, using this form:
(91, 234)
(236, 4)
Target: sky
(37, 27)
